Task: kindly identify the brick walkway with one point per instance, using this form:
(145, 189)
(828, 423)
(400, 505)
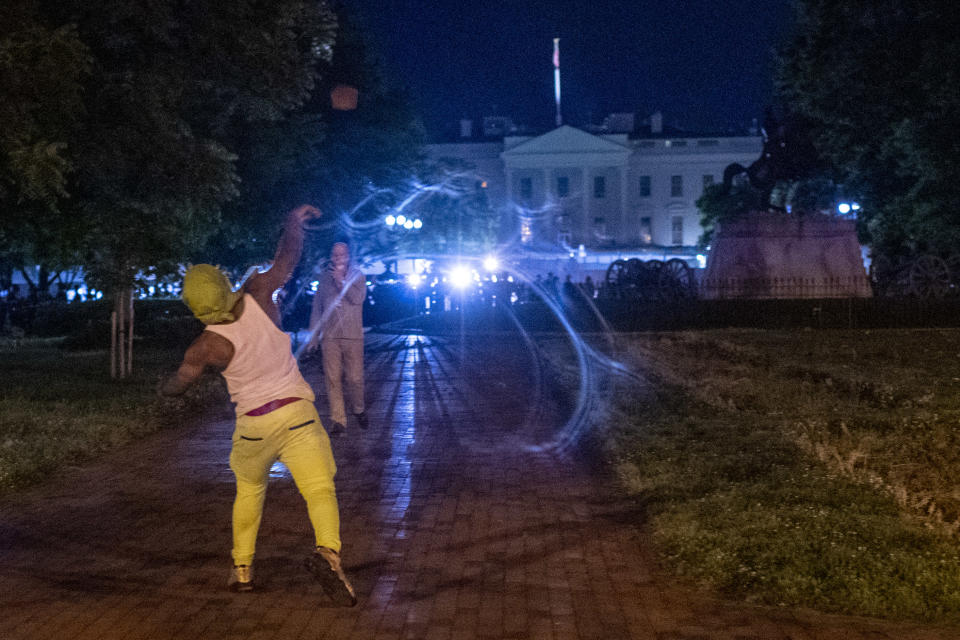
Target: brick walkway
(452, 530)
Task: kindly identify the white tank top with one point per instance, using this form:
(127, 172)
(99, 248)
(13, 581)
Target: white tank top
(263, 367)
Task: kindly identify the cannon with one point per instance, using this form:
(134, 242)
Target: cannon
(636, 279)
(919, 276)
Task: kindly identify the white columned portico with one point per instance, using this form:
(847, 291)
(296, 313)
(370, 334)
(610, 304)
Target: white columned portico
(570, 148)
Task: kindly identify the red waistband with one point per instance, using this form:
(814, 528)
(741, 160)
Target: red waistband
(270, 406)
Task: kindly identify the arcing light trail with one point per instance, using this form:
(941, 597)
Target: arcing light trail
(592, 397)
(592, 364)
(411, 193)
(314, 334)
(350, 222)
(353, 225)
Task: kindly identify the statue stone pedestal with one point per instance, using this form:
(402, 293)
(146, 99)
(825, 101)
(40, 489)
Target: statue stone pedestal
(773, 255)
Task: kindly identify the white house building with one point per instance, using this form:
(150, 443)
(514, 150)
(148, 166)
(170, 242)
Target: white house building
(605, 191)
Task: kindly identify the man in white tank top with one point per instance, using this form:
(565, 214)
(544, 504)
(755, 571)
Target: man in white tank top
(276, 418)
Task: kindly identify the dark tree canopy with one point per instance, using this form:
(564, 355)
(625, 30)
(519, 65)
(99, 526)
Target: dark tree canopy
(334, 159)
(879, 83)
(172, 80)
(133, 147)
(42, 70)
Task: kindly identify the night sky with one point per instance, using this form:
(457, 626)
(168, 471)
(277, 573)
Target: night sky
(707, 65)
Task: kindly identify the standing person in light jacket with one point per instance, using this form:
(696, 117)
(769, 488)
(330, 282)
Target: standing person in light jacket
(336, 321)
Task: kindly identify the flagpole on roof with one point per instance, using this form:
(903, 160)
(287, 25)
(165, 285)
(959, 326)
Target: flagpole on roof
(556, 78)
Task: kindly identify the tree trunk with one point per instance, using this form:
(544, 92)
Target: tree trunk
(121, 339)
(130, 332)
(113, 343)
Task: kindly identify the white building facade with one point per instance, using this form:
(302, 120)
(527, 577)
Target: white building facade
(568, 187)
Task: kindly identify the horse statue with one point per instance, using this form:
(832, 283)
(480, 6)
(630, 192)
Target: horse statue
(788, 154)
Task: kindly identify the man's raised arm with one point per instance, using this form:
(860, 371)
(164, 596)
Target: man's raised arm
(289, 249)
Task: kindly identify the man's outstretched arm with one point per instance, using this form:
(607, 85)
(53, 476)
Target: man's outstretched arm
(288, 250)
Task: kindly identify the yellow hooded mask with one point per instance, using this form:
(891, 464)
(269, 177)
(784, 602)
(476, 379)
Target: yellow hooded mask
(209, 294)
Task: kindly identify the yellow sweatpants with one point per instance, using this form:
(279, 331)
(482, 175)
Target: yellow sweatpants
(292, 434)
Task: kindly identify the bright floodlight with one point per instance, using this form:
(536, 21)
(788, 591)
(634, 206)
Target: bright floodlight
(843, 208)
(413, 279)
(401, 219)
(491, 263)
(460, 277)
(408, 224)
(417, 223)
(390, 220)
(855, 206)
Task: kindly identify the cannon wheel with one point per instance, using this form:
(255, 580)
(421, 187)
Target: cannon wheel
(675, 279)
(616, 276)
(890, 277)
(634, 270)
(633, 278)
(616, 272)
(929, 277)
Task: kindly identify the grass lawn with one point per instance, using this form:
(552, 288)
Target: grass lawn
(813, 468)
(59, 408)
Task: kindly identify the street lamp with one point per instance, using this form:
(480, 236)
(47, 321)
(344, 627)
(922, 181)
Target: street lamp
(844, 208)
(397, 225)
(402, 222)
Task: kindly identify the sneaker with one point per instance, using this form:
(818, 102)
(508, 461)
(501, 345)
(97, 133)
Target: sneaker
(337, 429)
(241, 578)
(324, 564)
(362, 420)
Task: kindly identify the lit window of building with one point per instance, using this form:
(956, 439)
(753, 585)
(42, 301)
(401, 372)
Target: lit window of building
(646, 230)
(526, 230)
